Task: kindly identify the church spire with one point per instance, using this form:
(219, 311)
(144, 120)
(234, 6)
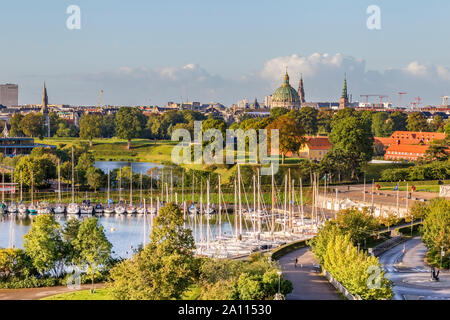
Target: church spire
(45, 113)
(301, 90)
(344, 88)
(44, 106)
(343, 102)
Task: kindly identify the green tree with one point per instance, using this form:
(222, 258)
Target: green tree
(437, 151)
(32, 125)
(381, 125)
(212, 123)
(436, 231)
(85, 161)
(16, 130)
(54, 122)
(278, 112)
(90, 127)
(44, 245)
(93, 247)
(165, 268)
(108, 125)
(352, 135)
(324, 121)
(95, 178)
(417, 122)
(438, 123)
(15, 263)
(399, 120)
(29, 168)
(307, 118)
(128, 124)
(359, 225)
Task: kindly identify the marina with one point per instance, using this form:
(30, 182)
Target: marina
(221, 229)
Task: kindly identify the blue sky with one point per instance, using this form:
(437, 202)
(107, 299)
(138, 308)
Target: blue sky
(142, 52)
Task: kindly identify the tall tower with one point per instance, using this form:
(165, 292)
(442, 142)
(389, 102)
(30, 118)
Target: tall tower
(343, 102)
(301, 91)
(45, 113)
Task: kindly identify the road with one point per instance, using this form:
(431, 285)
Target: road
(308, 285)
(411, 275)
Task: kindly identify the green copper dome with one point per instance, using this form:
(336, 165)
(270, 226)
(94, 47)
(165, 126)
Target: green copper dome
(286, 94)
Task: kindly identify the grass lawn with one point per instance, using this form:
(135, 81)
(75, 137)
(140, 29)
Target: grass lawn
(103, 294)
(99, 294)
(142, 150)
(421, 186)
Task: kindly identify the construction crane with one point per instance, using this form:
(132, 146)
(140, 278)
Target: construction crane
(375, 95)
(400, 98)
(419, 101)
(99, 101)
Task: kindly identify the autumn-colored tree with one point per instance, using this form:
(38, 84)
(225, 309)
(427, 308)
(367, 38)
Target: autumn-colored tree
(291, 135)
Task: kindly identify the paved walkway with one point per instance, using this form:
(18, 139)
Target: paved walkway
(39, 293)
(411, 275)
(308, 285)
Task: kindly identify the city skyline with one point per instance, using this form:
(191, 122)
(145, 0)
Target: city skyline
(147, 53)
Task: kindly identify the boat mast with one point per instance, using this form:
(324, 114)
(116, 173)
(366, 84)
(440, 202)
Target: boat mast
(151, 192)
(120, 185)
(140, 188)
(207, 215)
(235, 210)
(201, 212)
(285, 202)
(131, 185)
(259, 203)
(220, 209)
(59, 181)
(21, 189)
(301, 198)
(240, 202)
(171, 185)
(273, 203)
(254, 204)
(3, 185)
(145, 223)
(109, 182)
(32, 186)
(162, 184)
(73, 190)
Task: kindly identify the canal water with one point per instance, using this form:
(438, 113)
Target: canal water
(125, 233)
(138, 167)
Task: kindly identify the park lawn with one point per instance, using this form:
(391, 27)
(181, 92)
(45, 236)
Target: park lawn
(421, 186)
(113, 149)
(99, 294)
(103, 294)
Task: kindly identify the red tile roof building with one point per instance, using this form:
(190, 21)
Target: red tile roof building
(408, 145)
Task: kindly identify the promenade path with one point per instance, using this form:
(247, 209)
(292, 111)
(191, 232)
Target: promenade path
(405, 266)
(308, 285)
(39, 293)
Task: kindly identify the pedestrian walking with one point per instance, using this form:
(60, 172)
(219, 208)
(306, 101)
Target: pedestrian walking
(296, 261)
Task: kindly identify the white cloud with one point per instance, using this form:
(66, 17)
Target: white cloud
(417, 69)
(322, 73)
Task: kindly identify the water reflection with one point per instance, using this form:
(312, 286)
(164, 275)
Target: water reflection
(126, 233)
